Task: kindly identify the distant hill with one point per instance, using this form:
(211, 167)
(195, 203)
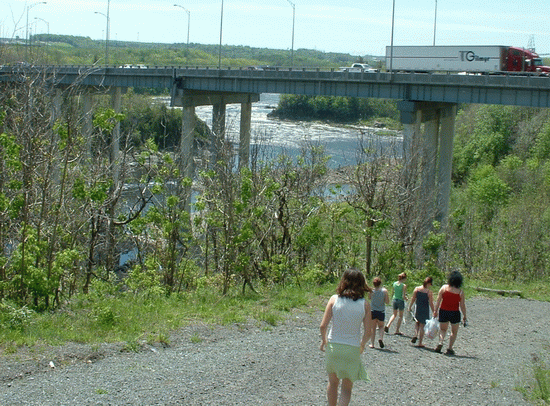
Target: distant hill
(68, 49)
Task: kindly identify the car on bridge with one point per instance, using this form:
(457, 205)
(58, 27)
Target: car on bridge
(359, 67)
(130, 66)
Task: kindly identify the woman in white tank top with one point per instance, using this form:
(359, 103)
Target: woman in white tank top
(350, 330)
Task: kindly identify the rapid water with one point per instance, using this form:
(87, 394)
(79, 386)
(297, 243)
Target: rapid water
(341, 143)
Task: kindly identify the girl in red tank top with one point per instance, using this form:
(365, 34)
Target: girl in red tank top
(451, 301)
(450, 307)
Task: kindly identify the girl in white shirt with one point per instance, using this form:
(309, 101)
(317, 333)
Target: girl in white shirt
(348, 310)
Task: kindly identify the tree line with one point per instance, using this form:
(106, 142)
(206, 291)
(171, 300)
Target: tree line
(336, 109)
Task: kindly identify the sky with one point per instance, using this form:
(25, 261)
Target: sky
(354, 27)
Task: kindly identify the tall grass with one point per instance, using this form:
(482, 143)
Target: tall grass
(104, 316)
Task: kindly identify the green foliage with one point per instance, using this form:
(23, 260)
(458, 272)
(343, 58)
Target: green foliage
(484, 137)
(536, 385)
(541, 148)
(332, 108)
(145, 281)
(487, 190)
(13, 317)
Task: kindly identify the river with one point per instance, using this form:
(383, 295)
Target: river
(341, 143)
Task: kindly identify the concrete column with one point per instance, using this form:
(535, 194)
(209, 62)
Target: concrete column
(244, 142)
(448, 115)
(218, 128)
(88, 125)
(186, 143)
(435, 149)
(56, 114)
(430, 146)
(412, 141)
(57, 101)
(116, 101)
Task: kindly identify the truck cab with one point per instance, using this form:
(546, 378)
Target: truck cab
(525, 60)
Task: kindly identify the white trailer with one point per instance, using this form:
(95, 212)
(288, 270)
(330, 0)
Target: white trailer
(480, 58)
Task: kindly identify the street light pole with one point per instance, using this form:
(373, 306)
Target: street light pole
(220, 48)
(293, 20)
(188, 20)
(106, 33)
(44, 21)
(27, 26)
(435, 19)
(391, 41)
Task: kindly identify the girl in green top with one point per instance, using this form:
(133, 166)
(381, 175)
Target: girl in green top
(399, 299)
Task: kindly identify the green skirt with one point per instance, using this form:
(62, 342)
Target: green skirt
(345, 361)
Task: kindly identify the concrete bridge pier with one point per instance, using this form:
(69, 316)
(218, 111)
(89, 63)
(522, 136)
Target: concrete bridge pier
(188, 100)
(88, 121)
(428, 135)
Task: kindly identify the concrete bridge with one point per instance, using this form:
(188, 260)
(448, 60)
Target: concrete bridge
(428, 102)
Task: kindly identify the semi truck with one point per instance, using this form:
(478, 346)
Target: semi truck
(476, 59)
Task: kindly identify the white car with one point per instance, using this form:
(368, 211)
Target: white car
(359, 67)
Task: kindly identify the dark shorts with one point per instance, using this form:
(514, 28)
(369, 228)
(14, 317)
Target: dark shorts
(452, 316)
(398, 304)
(378, 315)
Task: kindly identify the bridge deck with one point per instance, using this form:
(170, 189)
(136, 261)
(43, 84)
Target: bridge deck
(512, 89)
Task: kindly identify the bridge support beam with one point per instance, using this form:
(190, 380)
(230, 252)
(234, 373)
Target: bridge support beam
(219, 101)
(88, 125)
(244, 140)
(428, 151)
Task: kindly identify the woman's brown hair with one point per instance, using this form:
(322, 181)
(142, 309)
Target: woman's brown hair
(352, 285)
(427, 281)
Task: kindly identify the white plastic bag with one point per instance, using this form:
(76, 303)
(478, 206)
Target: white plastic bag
(431, 329)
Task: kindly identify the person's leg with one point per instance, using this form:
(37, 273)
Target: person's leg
(373, 332)
(381, 329)
(416, 331)
(345, 395)
(454, 332)
(392, 318)
(442, 333)
(399, 321)
(332, 389)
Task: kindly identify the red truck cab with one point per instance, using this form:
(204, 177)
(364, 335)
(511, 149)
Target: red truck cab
(524, 60)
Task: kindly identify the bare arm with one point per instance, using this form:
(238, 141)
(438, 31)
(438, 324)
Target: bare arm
(325, 322)
(463, 304)
(439, 299)
(413, 299)
(386, 296)
(431, 299)
(367, 327)
(404, 292)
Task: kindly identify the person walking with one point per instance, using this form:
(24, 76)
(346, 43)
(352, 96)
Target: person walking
(399, 299)
(450, 302)
(348, 311)
(379, 299)
(423, 297)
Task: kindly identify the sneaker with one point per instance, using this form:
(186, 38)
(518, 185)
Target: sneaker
(438, 348)
(450, 351)
(414, 340)
(381, 343)
(386, 329)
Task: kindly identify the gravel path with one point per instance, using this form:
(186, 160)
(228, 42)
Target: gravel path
(255, 365)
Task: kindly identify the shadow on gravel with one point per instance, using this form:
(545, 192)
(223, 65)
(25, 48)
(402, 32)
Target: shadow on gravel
(459, 356)
(386, 350)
